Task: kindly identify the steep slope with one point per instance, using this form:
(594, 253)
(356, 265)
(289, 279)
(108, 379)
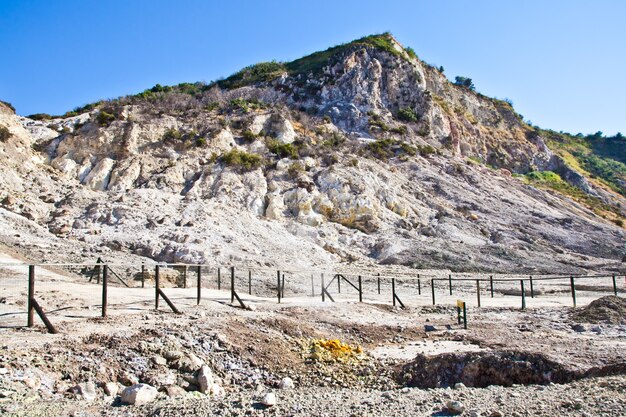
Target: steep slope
(361, 153)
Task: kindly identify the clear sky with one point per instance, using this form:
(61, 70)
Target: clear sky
(563, 63)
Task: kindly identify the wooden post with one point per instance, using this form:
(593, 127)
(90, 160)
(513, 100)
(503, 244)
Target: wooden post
(199, 289)
(360, 290)
(393, 290)
(614, 285)
(338, 284)
(232, 284)
(219, 278)
(31, 296)
(491, 284)
(532, 288)
(278, 285)
(185, 276)
(249, 282)
(478, 291)
(379, 283)
(464, 315)
(432, 287)
(282, 287)
(450, 282)
(312, 287)
(156, 287)
(323, 291)
(521, 281)
(419, 285)
(105, 281)
(143, 275)
(573, 286)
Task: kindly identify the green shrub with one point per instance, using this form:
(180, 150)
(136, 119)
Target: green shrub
(172, 135)
(253, 74)
(40, 116)
(407, 114)
(105, 119)
(619, 222)
(464, 82)
(411, 52)
(295, 169)
(214, 105)
(248, 136)
(247, 105)
(282, 150)
(333, 140)
(401, 130)
(242, 160)
(426, 150)
(5, 134)
(201, 142)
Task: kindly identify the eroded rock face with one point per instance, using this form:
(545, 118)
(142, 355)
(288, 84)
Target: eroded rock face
(303, 176)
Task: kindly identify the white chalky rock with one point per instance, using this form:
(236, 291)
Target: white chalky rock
(455, 407)
(205, 379)
(111, 389)
(139, 394)
(216, 390)
(269, 399)
(286, 383)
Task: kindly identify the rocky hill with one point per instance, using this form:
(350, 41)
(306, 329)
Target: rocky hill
(361, 153)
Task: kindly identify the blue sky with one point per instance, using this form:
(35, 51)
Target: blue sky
(563, 63)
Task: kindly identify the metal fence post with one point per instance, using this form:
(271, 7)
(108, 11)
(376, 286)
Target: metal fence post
(491, 284)
(219, 278)
(393, 290)
(521, 281)
(432, 287)
(278, 285)
(199, 289)
(105, 282)
(249, 282)
(450, 282)
(573, 285)
(156, 287)
(378, 283)
(360, 290)
(323, 290)
(419, 285)
(532, 288)
(31, 296)
(478, 291)
(143, 275)
(614, 285)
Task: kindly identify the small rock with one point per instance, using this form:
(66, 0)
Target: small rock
(159, 360)
(139, 394)
(286, 383)
(459, 385)
(87, 390)
(269, 399)
(205, 379)
(455, 407)
(172, 355)
(111, 389)
(174, 391)
(429, 328)
(128, 379)
(495, 414)
(216, 390)
(190, 363)
(578, 328)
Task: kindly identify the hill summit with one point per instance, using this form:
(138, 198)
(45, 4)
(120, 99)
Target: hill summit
(359, 154)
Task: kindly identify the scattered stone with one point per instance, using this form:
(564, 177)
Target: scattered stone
(459, 385)
(159, 360)
(174, 391)
(139, 394)
(286, 383)
(172, 355)
(111, 389)
(578, 328)
(216, 390)
(205, 378)
(87, 390)
(189, 363)
(495, 414)
(429, 328)
(128, 379)
(269, 399)
(455, 407)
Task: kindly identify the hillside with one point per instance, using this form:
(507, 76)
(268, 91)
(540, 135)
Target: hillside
(361, 153)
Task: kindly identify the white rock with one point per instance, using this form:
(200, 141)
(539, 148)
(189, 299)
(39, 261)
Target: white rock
(455, 407)
(205, 379)
(459, 385)
(111, 389)
(139, 394)
(216, 390)
(87, 390)
(269, 399)
(286, 383)
(98, 178)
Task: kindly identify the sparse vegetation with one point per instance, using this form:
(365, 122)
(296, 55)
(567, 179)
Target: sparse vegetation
(388, 148)
(248, 135)
(9, 105)
(242, 160)
(295, 169)
(464, 82)
(104, 118)
(282, 150)
(407, 114)
(261, 72)
(333, 140)
(5, 134)
(40, 116)
(247, 105)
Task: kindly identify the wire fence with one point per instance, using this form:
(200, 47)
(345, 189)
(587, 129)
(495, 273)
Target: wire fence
(83, 291)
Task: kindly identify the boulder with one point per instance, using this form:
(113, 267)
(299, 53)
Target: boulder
(205, 379)
(269, 399)
(139, 394)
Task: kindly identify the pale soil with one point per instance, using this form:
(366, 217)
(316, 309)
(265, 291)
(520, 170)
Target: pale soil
(250, 351)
